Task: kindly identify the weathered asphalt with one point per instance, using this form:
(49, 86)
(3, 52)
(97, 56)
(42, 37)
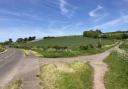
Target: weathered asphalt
(9, 62)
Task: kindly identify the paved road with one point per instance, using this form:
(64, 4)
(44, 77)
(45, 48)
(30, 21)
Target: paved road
(9, 62)
(29, 69)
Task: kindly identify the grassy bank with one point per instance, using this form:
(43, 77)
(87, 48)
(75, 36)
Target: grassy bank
(2, 48)
(117, 76)
(74, 75)
(14, 85)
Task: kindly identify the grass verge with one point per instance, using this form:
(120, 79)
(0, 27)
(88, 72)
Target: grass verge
(76, 75)
(31, 52)
(117, 76)
(2, 49)
(14, 85)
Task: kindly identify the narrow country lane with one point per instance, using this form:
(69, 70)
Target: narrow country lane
(9, 63)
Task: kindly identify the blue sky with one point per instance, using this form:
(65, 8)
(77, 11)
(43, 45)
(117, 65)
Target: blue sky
(23, 18)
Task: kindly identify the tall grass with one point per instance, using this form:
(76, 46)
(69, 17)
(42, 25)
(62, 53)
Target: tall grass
(74, 75)
(124, 45)
(2, 48)
(117, 76)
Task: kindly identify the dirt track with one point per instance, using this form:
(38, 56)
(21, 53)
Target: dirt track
(96, 62)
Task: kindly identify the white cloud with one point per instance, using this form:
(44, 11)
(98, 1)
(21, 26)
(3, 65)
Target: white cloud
(66, 8)
(97, 14)
(63, 7)
(94, 12)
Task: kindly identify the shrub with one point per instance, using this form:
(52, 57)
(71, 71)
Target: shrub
(92, 33)
(48, 37)
(84, 47)
(91, 46)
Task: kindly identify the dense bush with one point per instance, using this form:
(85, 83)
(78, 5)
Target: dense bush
(84, 47)
(92, 33)
(49, 37)
(87, 47)
(91, 46)
(115, 35)
(110, 35)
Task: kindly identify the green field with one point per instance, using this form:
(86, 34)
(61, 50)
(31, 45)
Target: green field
(117, 76)
(76, 75)
(72, 44)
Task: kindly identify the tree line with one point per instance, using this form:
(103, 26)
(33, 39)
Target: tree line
(19, 40)
(111, 35)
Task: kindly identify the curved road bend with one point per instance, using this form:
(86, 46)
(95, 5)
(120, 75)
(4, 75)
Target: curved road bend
(9, 62)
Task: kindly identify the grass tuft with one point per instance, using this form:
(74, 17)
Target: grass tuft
(14, 85)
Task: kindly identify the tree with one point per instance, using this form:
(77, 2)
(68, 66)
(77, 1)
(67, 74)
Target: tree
(92, 33)
(124, 36)
(25, 39)
(98, 31)
(20, 40)
(30, 38)
(10, 40)
(34, 37)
